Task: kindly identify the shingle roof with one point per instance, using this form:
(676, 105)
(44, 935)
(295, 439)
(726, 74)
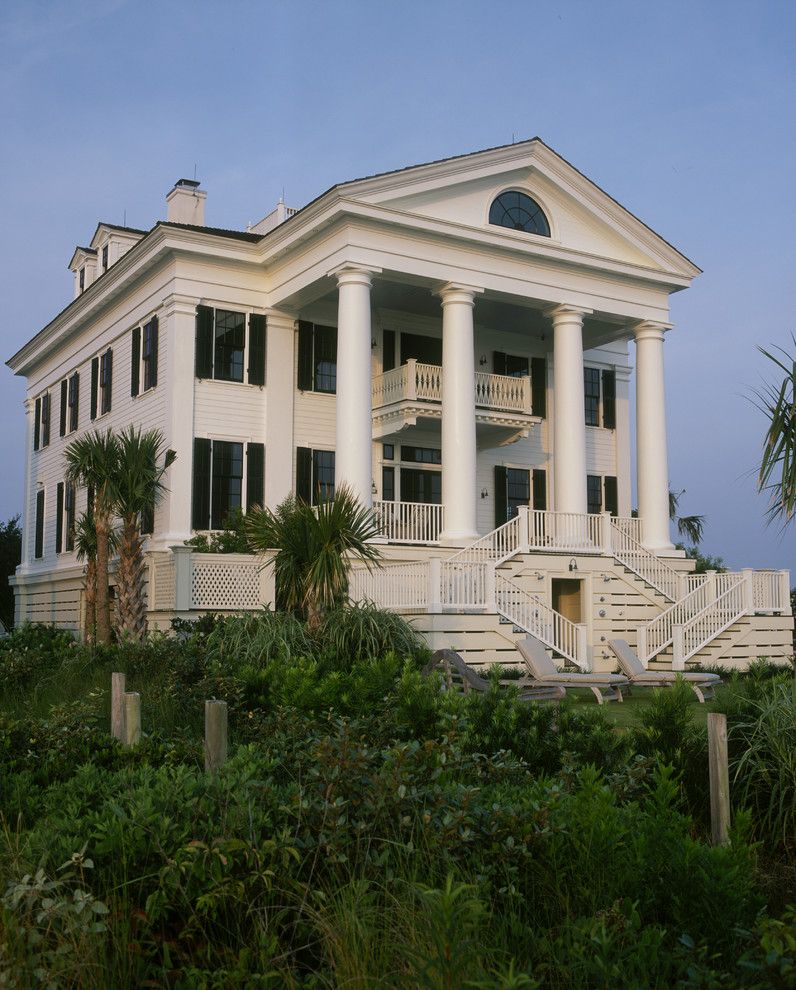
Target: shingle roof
(240, 235)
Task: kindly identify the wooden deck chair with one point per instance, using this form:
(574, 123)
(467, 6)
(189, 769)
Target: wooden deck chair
(703, 685)
(459, 676)
(542, 670)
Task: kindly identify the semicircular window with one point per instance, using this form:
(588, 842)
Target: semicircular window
(519, 212)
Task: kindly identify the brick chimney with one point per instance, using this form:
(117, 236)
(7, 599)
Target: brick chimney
(186, 203)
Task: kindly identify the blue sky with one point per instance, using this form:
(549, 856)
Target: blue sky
(684, 112)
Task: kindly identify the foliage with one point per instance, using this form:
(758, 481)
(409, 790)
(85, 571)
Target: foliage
(314, 546)
(777, 473)
(704, 562)
(10, 556)
(358, 632)
(689, 527)
(231, 539)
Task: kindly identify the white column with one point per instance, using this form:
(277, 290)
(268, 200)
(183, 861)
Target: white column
(28, 511)
(178, 323)
(569, 424)
(458, 413)
(651, 458)
(280, 362)
(622, 439)
(353, 463)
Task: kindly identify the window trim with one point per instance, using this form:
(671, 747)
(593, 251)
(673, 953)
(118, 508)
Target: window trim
(248, 314)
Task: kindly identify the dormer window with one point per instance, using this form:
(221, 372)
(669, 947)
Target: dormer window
(518, 211)
(82, 278)
(105, 258)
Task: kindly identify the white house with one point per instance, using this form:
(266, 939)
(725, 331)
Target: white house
(451, 339)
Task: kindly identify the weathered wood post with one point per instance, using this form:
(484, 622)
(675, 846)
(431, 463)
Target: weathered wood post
(719, 779)
(215, 735)
(132, 718)
(118, 688)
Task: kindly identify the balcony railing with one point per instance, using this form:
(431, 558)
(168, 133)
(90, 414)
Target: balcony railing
(409, 522)
(417, 382)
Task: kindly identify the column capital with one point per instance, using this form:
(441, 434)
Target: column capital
(650, 330)
(457, 292)
(565, 312)
(280, 318)
(350, 273)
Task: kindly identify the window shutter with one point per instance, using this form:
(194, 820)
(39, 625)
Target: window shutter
(255, 474)
(108, 391)
(154, 325)
(539, 481)
(609, 400)
(94, 386)
(135, 362)
(59, 516)
(539, 387)
(256, 350)
(75, 386)
(498, 363)
(64, 391)
(204, 342)
(38, 549)
(304, 474)
(69, 505)
(501, 495)
(388, 350)
(611, 503)
(200, 505)
(147, 520)
(45, 419)
(37, 425)
(90, 502)
(305, 335)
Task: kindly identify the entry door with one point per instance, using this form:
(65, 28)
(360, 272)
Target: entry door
(421, 486)
(567, 598)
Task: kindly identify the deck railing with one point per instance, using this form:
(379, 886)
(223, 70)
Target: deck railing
(565, 532)
(650, 568)
(409, 522)
(416, 381)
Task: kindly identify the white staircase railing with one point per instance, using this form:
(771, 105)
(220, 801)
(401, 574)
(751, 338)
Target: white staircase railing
(693, 635)
(392, 585)
(636, 558)
(537, 618)
(564, 531)
(498, 545)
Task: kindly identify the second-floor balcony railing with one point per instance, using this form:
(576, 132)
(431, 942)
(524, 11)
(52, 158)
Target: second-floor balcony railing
(417, 382)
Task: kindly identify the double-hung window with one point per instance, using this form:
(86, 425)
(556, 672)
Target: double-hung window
(317, 358)
(69, 402)
(101, 383)
(41, 422)
(600, 397)
(221, 474)
(517, 366)
(222, 350)
(602, 494)
(516, 487)
(64, 517)
(144, 357)
(314, 475)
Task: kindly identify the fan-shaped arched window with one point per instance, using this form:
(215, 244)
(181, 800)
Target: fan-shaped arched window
(519, 212)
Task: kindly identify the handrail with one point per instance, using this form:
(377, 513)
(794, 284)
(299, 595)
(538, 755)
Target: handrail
(564, 531)
(710, 622)
(417, 381)
(497, 546)
(642, 562)
(409, 522)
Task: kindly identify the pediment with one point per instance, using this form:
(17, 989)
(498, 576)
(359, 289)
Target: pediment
(582, 217)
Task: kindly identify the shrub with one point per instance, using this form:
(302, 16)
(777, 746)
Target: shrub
(359, 632)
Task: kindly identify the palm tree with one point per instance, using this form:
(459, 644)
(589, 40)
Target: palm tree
(92, 461)
(777, 474)
(314, 547)
(86, 547)
(689, 527)
(137, 488)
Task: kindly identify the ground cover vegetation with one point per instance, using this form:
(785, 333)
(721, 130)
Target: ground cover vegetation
(372, 830)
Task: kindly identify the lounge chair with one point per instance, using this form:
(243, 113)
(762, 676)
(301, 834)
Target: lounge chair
(703, 685)
(459, 676)
(544, 673)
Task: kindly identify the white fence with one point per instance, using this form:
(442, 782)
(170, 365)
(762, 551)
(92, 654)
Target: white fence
(409, 522)
(415, 381)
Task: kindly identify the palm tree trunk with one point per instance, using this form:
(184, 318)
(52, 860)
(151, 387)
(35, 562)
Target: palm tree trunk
(101, 523)
(90, 630)
(130, 582)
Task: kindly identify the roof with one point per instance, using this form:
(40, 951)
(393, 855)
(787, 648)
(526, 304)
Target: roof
(238, 235)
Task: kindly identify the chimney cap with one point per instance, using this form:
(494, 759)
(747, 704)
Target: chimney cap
(187, 182)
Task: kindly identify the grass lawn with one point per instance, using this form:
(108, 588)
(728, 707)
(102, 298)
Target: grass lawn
(624, 714)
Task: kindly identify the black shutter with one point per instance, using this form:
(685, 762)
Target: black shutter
(64, 395)
(37, 425)
(611, 502)
(388, 350)
(305, 335)
(255, 474)
(107, 393)
(59, 516)
(304, 473)
(539, 387)
(256, 349)
(90, 503)
(147, 520)
(69, 505)
(204, 342)
(539, 477)
(38, 549)
(94, 386)
(200, 505)
(609, 400)
(498, 363)
(135, 362)
(154, 327)
(45, 419)
(76, 404)
(501, 495)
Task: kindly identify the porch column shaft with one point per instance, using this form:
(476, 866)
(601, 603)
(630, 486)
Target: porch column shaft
(280, 389)
(569, 425)
(458, 413)
(353, 445)
(651, 458)
(29, 511)
(178, 322)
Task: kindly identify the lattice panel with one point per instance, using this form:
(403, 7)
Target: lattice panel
(162, 594)
(228, 585)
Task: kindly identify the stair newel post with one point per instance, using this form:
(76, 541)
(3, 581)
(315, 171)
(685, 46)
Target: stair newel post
(435, 585)
(607, 534)
(710, 586)
(490, 593)
(748, 590)
(678, 647)
(784, 592)
(583, 646)
(523, 538)
(682, 584)
(411, 378)
(641, 646)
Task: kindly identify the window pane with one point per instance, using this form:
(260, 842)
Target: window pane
(325, 359)
(518, 490)
(594, 493)
(323, 475)
(421, 455)
(388, 484)
(421, 486)
(517, 366)
(227, 480)
(230, 338)
(591, 383)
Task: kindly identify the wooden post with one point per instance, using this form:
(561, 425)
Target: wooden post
(132, 718)
(118, 682)
(719, 779)
(215, 734)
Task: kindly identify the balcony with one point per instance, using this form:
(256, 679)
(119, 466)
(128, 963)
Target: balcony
(413, 392)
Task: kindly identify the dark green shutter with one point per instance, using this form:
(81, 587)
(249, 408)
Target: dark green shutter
(257, 350)
(498, 363)
(38, 549)
(611, 502)
(200, 502)
(539, 477)
(59, 516)
(304, 473)
(94, 386)
(135, 362)
(153, 351)
(255, 474)
(305, 335)
(204, 342)
(609, 400)
(388, 350)
(64, 389)
(501, 495)
(37, 425)
(539, 387)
